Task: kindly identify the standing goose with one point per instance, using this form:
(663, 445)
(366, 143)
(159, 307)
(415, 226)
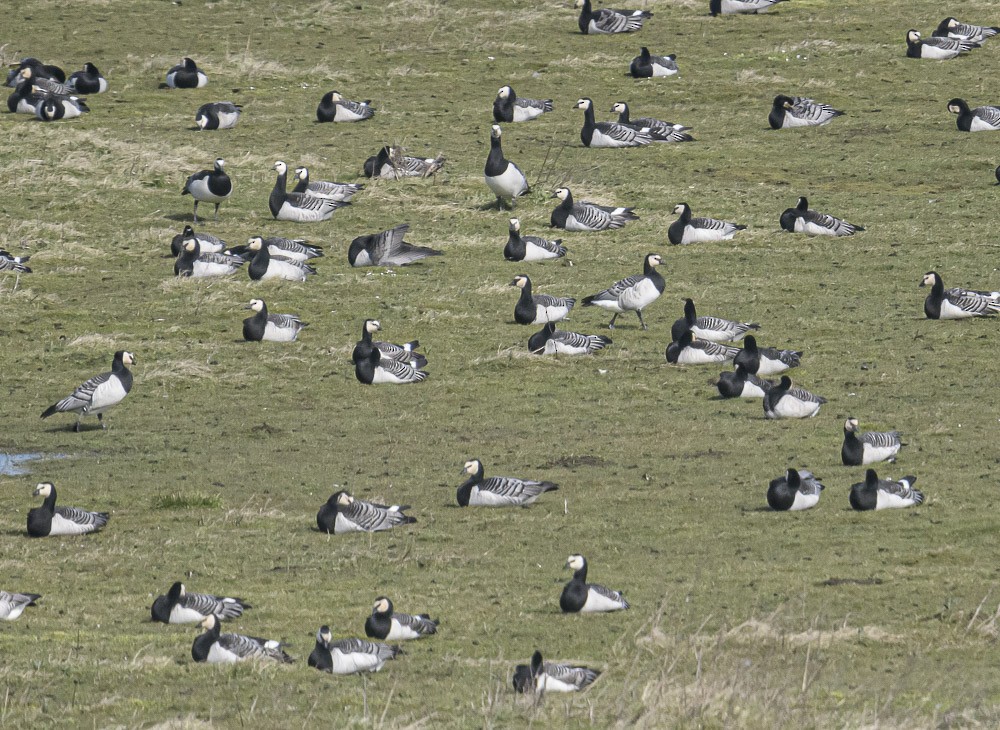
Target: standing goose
(935, 47)
(349, 656)
(646, 65)
(530, 248)
(210, 186)
(980, 119)
(197, 265)
(742, 384)
(957, 303)
(207, 243)
(99, 394)
(686, 230)
(797, 490)
(342, 513)
(180, 607)
(478, 491)
(405, 353)
(579, 596)
(49, 520)
(550, 341)
(186, 75)
(784, 401)
(633, 293)
(295, 249)
(607, 20)
(341, 192)
(739, 7)
(541, 677)
(87, 81)
(502, 176)
(10, 262)
(768, 360)
(264, 266)
(333, 107)
(801, 219)
(53, 107)
(376, 369)
(954, 28)
(868, 447)
(12, 605)
(387, 248)
(689, 351)
(584, 216)
(391, 164)
(713, 329)
(298, 207)
(509, 107)
(609, 134)
(389, 625)
(214, 647)
(218, 115)
(874, 493)
(799, 111)
(270, 327)
(659, 130)
(539, 308)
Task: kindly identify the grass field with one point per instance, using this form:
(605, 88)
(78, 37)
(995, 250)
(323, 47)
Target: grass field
(216, 463)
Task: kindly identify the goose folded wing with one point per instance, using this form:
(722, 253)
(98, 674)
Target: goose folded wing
(84, 394)
(972, 301)
(82, 517)
(621, 132)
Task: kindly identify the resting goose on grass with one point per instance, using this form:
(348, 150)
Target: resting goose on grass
(767, 360)
(387, 248)
(87, 81)
(980, 119)
(38, 70)
(659, 130)
(478, 491)
(186, 75)
(49, 520)
(712, 329)
(541, 677)
(214, 647)
(389, 625)
(99, 394)
(405, 353)
(874, 493)
(579, 596)
(340, 192)
(799, 111)
(739, 7)
(741, 384)
(207, 243)
(867, 448)
(264, 265)
(509, 107)
(218, 115)
(646, 65)
(584, 216)
(12, 605)
(333, 107)
(784, 401)
(689, 351)
(957, 303)
(45, 85)
(376, 369)
(349, 656)
(686, 230)
(530, 248)
(633, 293)
(539, 308)
(263, 326)
(797, 490)
(936, 47)
(609, 134)
(209, 186)
(53, 107)
(180, 607)
(295, 249)
(607, 20)
(954, 28)
(801, 219)
(298, 207)
(24, 98)
(502, 176)
(194, 263)
(342, 513)
(391, 164)
(550, 341)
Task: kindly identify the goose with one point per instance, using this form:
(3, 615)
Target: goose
(784, 401)
(264, 266)
(740, 7)
(742, 384)
(298, 207)
(98, 394)
(270, 327)
(579, 596)
(87, 81)
(609, 134)
(957, 303)
(405, 353)
(349, 656)
(868, 447)
(389, 625)
(217, 648)
(53, 107)
(180, 607)
(12, 605)
(10, 262)
(541, 676)
(478, 491)
(953, 28)
(509, 107)
(49, 520)
(38, 69)
(530, 248)
(874, 493)
(210, 186)
(607, 20)
(797, 490)
(502, 176)
(550, 341)
(387, 248)
(197, 265)
(186, 75)
(24, 98)
(980, 119)
(659, 130)
(689, 351)
(713, 329)
(935, 47)
(376, 369)
(43, 84)
(207, 243)
(539, 308)
(333, 107)
(218, 115)
(341, 192)
(391, 164)
(342, 513)
(767, 360)
(686, 230)
(584, 216)
(799, 111)
(646, 65)
(801, 219)
(633, 293)
(294, 249)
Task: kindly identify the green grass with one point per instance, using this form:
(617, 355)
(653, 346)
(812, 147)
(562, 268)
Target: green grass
(215, 465)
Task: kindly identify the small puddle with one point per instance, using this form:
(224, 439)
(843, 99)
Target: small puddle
(12, 465)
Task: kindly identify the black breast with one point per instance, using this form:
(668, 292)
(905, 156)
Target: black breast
(39, 521)
(573, 597)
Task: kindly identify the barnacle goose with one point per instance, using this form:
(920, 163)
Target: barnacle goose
(874, 493)
(197, 265)
(767, 360)
(264, 265)
(12, 605)
(38, 70)
(980, 119)
(376, 369)
(391, 164)
(341, 192)
(799, 111)
(53, 107)
(579, 596)
(295, 249)
(214, 647)
(797, 490)
(868, 447)
(550, 341)
(180, 607)
(689, 351)
(349, 656)
(333, 107)
(24, 98)
(387, 248)
(538, 308)
(44, 84)
(509, 107)
(784, 401)
(342, 513)
(659, 130)
(739, 7)
(98, 394)
(541, 676)
(49, 520)
(405, 353)
(584, 216)
(936, 47)
(646, 65)
(207, 243)
(389, 625)
(801, 219)
(87, 81)
(741, 384)
(502, 176)
(633, 293)
(609, 134)
(270, 327)
(607, 20)
(713, 329)
(186, 75)
(210, 186)
(954, 28)
(530, 248)
(10, 262)
(478, 491)
(957, 303)
(686, 230)
(298, 207)
(218, 115)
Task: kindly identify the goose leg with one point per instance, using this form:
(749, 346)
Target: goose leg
(100, 420)
(76, 426)
(195, 211)
(217, 211)
(639, 312)
(612, 325)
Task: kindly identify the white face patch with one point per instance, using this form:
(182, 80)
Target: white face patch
(345, 499)
(471, 467)
(575, 562)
